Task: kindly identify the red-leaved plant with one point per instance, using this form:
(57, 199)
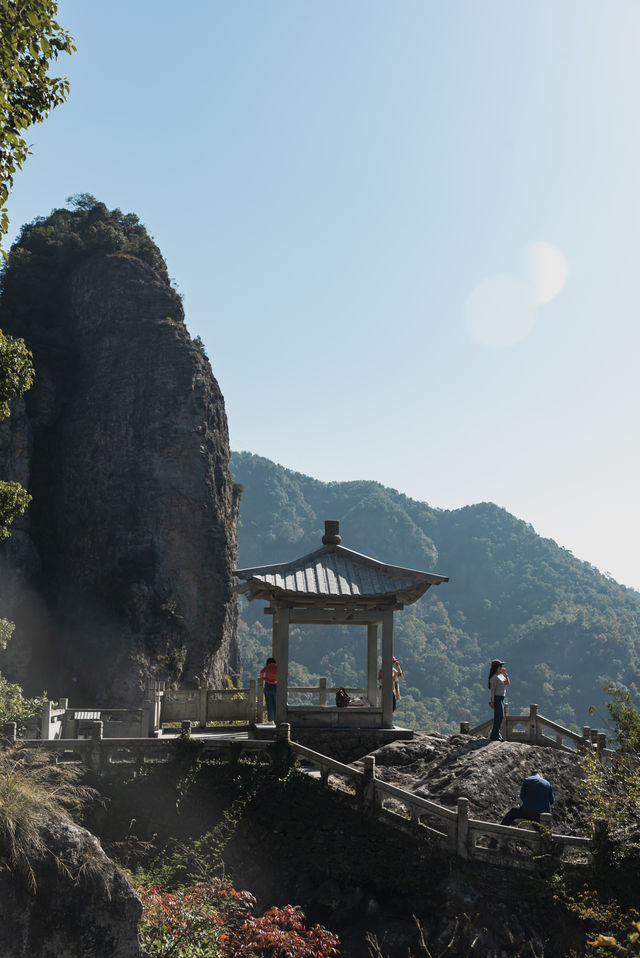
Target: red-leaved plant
(213, 920)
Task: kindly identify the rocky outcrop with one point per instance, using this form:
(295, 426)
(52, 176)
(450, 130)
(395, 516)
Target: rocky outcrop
(363, 878)
(82, 906)
(444, 768)
(121, 569)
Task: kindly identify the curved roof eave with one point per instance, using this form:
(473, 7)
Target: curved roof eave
(335, 573)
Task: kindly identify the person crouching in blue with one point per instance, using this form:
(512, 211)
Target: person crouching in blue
(537, 798)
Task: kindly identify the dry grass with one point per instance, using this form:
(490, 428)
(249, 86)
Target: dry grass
(34, 791)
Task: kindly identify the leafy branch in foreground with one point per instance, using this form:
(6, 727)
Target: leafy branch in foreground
(30, 41)
(625, 718)
(610, 796)
(16, 376)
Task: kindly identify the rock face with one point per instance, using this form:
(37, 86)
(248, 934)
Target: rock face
(120, 571)
(444, 768)
(82, 905)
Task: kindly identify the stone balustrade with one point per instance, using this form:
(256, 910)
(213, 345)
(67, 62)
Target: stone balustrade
(462, 836)
(534, 728)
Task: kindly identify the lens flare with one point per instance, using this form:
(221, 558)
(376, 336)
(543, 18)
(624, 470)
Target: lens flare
(500, 311)
(547, 270)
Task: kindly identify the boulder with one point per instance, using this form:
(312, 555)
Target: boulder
(76, 903)
(444, 768)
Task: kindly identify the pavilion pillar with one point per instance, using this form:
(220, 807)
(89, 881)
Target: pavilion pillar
(281, 655)
(387, 669)
(372, 662)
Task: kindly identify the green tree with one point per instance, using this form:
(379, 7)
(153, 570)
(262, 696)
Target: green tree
(625, 718)
(16, 376)
(30, 40)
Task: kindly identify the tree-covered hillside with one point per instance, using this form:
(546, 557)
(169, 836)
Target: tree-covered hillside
(564, 629)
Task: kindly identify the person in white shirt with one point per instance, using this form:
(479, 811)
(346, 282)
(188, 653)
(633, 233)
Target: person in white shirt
(498, 681)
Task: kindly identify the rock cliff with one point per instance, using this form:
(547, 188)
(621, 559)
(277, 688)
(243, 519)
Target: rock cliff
(82, 906)
(120, 570)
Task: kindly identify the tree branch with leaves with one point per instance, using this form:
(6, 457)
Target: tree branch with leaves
(30, 41)
(16, 376)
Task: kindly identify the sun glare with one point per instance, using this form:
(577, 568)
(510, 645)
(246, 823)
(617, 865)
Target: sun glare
(547, 270)
(500, 311)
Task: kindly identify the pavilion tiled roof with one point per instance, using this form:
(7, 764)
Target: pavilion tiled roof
(336, 573)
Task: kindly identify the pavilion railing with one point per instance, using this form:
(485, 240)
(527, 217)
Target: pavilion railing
(534, 729)
(171, 707)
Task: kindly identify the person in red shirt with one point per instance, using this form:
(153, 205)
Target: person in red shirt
(269, 675)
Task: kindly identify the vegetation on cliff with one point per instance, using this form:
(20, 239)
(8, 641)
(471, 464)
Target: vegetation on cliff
(45, 252)
(566, 629)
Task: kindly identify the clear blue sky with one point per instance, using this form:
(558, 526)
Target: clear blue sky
(408, 233)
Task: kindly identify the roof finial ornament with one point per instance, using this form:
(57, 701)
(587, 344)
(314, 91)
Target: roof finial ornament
(331, 535)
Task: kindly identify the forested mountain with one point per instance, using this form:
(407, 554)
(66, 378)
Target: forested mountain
(564, 629)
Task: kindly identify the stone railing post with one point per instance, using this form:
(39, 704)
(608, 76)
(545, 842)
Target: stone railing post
(547, 845)
(95, 752)
(33, 730)
(585, 744)
(96, 729)
(157, 696)
(202, 706)
(251, 703)
(462, 828)
(283, 732)
(322, 696)
(281, 749)
(185, 729)
(601, 745)
(260, 710)
(369, 784)
(594, 736)
(45, 720)
(533, 724)
(464, 728)
(63, 703)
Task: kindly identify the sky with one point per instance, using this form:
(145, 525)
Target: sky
(407, 232)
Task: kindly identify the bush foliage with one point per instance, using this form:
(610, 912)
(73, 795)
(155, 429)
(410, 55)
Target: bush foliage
(213, 920)
(48, 249)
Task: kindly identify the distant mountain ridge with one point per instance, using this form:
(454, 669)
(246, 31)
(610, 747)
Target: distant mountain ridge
(565, 629)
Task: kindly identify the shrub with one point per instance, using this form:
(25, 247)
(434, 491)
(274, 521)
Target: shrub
(213, 919)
